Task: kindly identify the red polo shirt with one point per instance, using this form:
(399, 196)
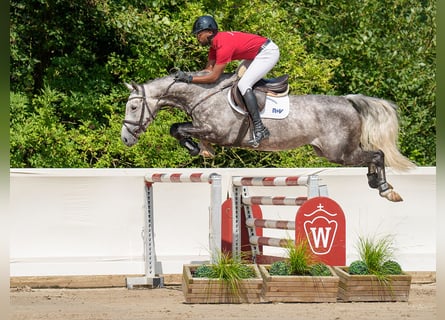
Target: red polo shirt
(234, 45)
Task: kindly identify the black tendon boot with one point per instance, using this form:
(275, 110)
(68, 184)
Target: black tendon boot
(190, 145)
(260, 132)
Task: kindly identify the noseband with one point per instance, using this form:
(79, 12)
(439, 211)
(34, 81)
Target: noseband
(140, 124)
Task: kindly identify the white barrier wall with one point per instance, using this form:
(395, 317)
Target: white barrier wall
(90, 221)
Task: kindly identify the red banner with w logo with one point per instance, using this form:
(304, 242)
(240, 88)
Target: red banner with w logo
(322, 222)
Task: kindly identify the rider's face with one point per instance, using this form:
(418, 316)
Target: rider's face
(203, 37)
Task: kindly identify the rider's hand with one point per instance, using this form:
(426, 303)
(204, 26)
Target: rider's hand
(183, 77)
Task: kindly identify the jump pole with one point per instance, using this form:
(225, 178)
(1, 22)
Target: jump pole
(151, 278)
(241, 198)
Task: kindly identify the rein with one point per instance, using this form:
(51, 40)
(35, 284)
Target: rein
(207, 97)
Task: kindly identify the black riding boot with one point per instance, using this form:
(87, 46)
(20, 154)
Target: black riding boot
(260, 132)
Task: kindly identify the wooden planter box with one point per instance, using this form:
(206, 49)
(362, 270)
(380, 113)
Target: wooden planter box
(299, 288)
(369, 288)
(206, 290)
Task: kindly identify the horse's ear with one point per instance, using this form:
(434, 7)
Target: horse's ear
(132, 86)
(135, 86)
(129, 86)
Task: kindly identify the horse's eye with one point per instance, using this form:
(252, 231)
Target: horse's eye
(133, 108)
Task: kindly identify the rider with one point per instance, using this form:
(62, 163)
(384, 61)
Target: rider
(260, 53)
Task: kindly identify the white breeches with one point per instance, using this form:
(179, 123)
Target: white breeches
(259, 67)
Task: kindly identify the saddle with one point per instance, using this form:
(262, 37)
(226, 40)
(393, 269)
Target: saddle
(276, 87)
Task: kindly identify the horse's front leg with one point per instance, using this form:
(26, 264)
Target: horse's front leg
(184, 133)
(377, 177)
(180, 131)
(206, 149)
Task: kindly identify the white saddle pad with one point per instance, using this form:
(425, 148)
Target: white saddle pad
(276, 107)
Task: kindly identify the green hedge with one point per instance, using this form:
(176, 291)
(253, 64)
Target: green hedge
(69, 61)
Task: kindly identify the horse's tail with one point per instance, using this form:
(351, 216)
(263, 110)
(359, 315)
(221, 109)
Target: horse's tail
(380, 129)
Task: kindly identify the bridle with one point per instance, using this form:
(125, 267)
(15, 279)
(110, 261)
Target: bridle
(140, 124)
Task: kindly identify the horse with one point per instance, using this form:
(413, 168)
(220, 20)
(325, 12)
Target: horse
(351, 130)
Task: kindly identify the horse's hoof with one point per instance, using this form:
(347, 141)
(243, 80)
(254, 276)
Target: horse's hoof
(206, 154)
(206, 150)
(391, 195)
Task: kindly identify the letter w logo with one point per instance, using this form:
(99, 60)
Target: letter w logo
(320, 233)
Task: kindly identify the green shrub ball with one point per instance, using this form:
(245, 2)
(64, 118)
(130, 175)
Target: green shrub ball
(358, 267)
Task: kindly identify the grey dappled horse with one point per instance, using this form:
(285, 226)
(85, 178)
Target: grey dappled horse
(351, 130)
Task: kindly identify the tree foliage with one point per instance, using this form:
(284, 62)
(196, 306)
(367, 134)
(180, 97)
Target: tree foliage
(387, 49)
(69, 61)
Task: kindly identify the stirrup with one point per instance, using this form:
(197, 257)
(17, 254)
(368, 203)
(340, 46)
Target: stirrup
(258, 136)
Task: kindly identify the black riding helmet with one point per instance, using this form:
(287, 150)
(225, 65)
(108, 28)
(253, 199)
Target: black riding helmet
(205, 23)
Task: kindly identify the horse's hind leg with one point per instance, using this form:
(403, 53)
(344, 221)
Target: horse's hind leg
(375, 160)
(377, 177)
(352, 154)
(184, 139)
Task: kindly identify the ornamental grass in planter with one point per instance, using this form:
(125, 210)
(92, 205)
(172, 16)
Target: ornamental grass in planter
(225, 281)
(299, 278)
(376, 276)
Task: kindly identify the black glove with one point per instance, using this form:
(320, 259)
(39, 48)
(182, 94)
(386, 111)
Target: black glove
(183, 77)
